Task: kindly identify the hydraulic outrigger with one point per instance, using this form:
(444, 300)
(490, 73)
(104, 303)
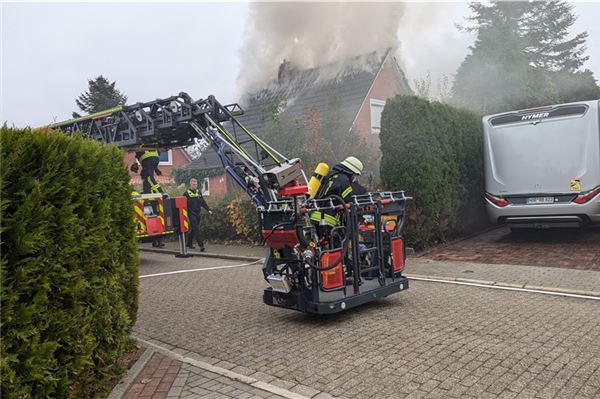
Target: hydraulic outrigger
(359, 261)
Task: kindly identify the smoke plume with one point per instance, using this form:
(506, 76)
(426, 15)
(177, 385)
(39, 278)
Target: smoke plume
(309, 35)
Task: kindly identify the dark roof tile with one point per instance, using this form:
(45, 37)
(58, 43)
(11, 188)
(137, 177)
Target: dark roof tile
(311, 88)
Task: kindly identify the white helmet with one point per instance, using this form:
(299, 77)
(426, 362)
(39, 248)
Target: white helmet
(353, 164)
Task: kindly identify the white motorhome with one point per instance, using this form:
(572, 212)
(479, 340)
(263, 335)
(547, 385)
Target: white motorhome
(542, 166)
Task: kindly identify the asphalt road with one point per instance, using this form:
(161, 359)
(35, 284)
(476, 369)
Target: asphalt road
(434, 340)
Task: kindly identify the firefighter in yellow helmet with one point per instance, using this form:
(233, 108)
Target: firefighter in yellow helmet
(341, 182)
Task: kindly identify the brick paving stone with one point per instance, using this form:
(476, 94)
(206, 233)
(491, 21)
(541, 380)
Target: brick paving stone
(499, 343)
(323, 395)
(154, 380)
(526, 393)
(196, 382)
(588, 391)
(304, 390)
(262, 376)
(507, 395)
(242, 370)
(562, 248)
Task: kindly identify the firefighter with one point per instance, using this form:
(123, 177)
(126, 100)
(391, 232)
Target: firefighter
(341, 181)
(149, 161)
(195, 203)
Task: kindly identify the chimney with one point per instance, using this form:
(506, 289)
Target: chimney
(285, 72)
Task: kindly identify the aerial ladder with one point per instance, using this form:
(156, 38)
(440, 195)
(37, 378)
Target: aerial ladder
(359, 261)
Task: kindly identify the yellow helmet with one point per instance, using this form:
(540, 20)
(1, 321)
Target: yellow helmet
(353, 164)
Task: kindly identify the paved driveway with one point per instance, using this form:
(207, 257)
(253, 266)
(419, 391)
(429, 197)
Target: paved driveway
(434, 340)
(565, 248)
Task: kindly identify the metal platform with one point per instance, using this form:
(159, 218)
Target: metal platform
(335, 301)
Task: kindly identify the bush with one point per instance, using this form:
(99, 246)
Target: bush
(435, 153)
(69, 264)
(243, 216)
(217, 226)
(234, 218)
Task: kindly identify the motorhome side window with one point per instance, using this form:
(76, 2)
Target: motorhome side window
(539, 114)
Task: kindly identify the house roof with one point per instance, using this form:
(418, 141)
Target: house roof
(163, 180)
(351, 79)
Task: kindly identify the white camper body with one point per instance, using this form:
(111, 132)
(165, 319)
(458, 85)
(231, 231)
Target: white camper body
(542, 166)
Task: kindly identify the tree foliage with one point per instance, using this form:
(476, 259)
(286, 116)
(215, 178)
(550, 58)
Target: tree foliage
(101, 95)
(423, 88)
(523, 57)
(545, 27)
(316, 135)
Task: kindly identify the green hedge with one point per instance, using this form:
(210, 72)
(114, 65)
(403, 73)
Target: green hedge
(434, 152)
(69, 264)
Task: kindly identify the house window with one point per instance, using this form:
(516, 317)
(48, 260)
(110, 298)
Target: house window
(205, 186)
(376, 108)
(166, 158)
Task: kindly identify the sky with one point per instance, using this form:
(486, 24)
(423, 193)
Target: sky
(155, 50)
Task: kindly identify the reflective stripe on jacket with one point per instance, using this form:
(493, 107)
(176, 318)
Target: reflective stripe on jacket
(330, 220)
(339, 184)
(195, 201)
(148, 154)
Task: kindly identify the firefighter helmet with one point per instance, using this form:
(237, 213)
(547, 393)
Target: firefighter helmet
(353, 164)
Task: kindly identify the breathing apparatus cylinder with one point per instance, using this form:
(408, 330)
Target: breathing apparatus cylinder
(317, 178)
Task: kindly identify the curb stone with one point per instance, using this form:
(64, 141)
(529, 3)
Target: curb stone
(474, 281)
(563, 290)
(595, 294)
(129, 377)
(203, 254)
(268, 387)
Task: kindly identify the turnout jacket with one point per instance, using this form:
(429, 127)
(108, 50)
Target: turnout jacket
(338, 182)
(195, 201)
(148, 159)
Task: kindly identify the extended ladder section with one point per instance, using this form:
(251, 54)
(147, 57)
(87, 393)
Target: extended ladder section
(179, 121)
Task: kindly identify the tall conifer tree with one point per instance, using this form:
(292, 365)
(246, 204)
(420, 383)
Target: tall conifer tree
(101, 95)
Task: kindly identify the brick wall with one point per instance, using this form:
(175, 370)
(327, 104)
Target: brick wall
(386, 85)
(218, 185)
(179, 158)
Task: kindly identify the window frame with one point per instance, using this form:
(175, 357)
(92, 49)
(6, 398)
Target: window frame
(169, 162)
(377, 103)
(205, 193)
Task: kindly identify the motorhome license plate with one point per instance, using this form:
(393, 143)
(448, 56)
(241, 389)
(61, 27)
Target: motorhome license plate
(540, 200)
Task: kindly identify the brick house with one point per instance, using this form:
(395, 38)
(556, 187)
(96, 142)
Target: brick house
(169, 160)
(363, 84)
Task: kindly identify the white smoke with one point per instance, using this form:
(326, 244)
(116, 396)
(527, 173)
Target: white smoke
(424, 36)
(432, 45)
(309, 35)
